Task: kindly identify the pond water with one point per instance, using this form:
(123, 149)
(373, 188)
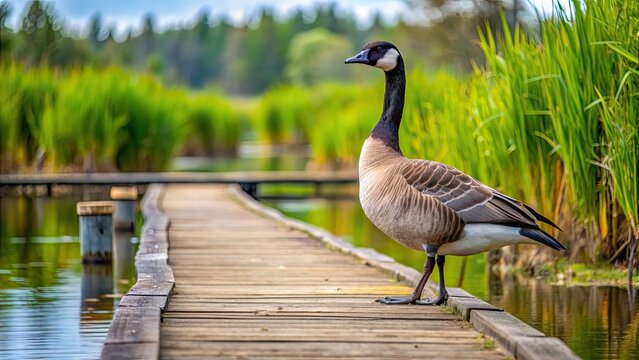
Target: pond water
(51, 305)
(597, 322)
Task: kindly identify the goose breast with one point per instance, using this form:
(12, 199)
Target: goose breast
(398, 209)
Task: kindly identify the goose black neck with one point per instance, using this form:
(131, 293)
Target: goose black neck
(387, 128)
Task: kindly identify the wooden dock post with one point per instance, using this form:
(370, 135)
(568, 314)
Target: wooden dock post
(95, 231)
(124, 199)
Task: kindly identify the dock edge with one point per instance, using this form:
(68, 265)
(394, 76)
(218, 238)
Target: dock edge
(135, 329)
(514, 337)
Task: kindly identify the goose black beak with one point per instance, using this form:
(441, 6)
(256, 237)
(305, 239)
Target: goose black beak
(362, 58)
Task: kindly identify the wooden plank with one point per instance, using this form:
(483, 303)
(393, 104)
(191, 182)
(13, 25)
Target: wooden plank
(144, 301)
(535, 348)
(151, 288)
(131, 351)
(309, 349)
(265, 334)
(466, 305)
(444, 326)
(502, 326)
(134, 325)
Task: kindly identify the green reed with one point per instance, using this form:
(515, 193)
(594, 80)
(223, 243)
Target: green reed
(23, 97)
(106, 120)
(212, 125)
(281, 114)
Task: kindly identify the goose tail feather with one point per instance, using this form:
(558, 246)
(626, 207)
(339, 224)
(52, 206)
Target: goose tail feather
(542, 218)
(542, 237)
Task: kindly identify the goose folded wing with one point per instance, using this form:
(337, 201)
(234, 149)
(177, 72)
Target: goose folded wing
(473, 201)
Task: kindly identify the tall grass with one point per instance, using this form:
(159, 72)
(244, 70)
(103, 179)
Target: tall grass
(212, 126)
(23, 97)
(106, 120)
(329, 116)
(281, 115)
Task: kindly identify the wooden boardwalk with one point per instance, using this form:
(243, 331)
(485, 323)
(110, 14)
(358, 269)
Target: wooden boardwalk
(245, 287)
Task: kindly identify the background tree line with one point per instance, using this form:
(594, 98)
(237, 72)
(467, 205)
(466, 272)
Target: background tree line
(248, 58)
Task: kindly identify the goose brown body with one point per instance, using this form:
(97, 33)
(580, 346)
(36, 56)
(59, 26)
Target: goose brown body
(400, 210)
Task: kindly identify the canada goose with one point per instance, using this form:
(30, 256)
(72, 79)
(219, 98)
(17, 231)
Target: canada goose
(426, 205)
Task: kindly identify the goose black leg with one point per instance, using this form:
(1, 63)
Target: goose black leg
(417, 293)
(443, 294)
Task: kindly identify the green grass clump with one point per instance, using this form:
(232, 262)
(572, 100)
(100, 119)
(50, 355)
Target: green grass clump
(212, 126)
(340, 123)
(23, 96)
(155, 126)
(110, 120)
(105, 120)
(281, 114)
(586, 274)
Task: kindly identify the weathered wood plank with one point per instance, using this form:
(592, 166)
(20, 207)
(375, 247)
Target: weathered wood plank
(467, 305)
(312, 316)
(134, 325)
(151, 288)
(532, 348)
(144, 301)
(309, 349)
(503, 327)
(131, 351)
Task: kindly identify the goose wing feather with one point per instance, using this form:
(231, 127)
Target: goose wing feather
(473, 201)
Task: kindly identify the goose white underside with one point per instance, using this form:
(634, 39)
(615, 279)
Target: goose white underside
(478, 238)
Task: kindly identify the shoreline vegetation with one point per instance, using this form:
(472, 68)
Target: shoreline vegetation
(550, 118)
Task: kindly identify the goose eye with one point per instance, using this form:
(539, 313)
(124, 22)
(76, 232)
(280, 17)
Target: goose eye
(379, 48)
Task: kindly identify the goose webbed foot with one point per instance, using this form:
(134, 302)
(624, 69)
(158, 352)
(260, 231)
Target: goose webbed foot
(417, 293)
(397, 300)
(441, 300)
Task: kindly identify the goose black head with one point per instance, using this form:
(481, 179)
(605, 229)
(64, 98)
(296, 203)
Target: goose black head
(381, 54)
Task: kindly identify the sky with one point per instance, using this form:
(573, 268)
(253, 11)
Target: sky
(124, 14)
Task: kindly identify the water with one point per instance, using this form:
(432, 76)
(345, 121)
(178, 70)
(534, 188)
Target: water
(52, 306)
(597, 322)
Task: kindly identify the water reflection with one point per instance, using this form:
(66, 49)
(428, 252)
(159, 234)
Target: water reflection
(50, 305)
(97, 281)
(123, 264)
(597, 322)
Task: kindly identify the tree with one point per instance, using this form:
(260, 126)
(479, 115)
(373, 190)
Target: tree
(5, 12)
(41, 34)
(148, 34)
(96, 31)
(6, 35)
(313, 56)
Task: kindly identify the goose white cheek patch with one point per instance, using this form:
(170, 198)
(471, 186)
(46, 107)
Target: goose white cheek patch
(388, 61)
